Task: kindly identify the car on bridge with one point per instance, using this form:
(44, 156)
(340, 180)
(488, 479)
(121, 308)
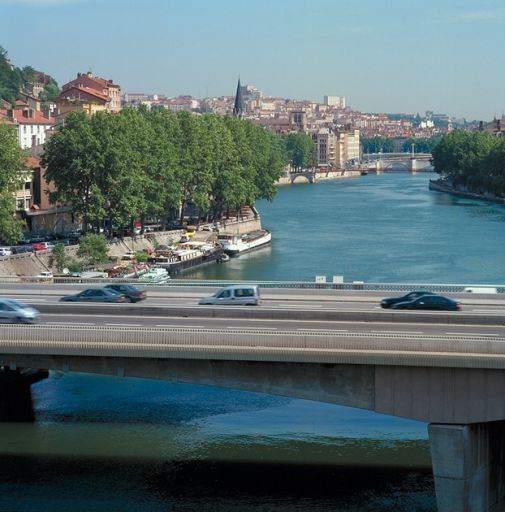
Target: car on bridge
(239, 295)
(16, 312)
(415, 294)
(132, 293)
(436, 302)
(96, 295)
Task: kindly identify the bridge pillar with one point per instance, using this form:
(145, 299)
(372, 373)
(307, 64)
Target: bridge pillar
(378, 166)
(15, 393)
(469, 466)
(412, 165)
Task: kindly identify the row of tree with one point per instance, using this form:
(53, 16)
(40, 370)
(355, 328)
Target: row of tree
(13, 80)
(474, 161)
(385, 145)
(141, 163)
(12, 177)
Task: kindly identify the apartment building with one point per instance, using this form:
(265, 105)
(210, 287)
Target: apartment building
(31, 125)
(87, 83)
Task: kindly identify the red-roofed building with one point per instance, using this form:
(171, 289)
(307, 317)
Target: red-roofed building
(31, 125)
(89, 82)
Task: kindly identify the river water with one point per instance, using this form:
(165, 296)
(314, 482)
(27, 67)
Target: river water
(108, 444)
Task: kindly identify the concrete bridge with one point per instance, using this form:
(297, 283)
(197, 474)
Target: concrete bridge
(455, 383)
(383, 162)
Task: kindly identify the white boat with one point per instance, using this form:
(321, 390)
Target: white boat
(155, 275)
(236, 244)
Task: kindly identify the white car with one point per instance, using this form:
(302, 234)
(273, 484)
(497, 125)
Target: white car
(5, 251)
(130, 255)
(43, 276)
(15, 312)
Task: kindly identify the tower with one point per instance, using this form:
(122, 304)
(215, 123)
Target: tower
(238, 107)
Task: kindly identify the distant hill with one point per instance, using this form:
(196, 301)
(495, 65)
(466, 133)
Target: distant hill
(14, 81)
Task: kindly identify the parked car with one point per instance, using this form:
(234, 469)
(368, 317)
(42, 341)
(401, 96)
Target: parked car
(437, 302)
(47, 245)
(20, 249)
(132, 292)
(129, 255)
(390, 301)
(244, 294)
(95, 295)
(5, 251)
(43, 276)
(16, 312)
(38, 247)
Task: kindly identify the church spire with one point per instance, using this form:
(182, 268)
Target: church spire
(238, 107)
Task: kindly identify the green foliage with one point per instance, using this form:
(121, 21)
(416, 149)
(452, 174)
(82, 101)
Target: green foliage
(13, 80)
(141, 256)
(301, 150)
(58, 257)
(51, 92)
(377, 145)
(472, 160)
(420, 145)
(93, 249)
(141, 163)
(12, 174)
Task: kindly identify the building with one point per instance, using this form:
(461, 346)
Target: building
(31, 125)
(325, 142)
(88, 82)
(348, 150)
(335, 101)
(80, 99)
(238, 106)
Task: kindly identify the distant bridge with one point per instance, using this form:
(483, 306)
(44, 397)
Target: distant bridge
(383, 162)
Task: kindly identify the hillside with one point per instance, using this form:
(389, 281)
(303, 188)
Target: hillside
(14, 81)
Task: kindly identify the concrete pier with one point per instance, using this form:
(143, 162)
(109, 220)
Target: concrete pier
(15, 393)
(469, 466)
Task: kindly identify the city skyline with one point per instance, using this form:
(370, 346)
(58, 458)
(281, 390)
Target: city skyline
(383, 57)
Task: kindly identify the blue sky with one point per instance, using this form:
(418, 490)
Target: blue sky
(383, 55)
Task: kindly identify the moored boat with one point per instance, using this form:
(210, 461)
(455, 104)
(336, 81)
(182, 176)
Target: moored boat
(234, 244)
(155, 275)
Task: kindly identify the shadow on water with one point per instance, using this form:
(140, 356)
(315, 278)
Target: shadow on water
(125, 485)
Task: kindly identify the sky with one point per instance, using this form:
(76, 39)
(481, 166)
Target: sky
(382, 55)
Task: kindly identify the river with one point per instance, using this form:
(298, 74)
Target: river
(109, 444)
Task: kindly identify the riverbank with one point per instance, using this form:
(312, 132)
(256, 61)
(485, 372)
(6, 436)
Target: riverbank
(32, 263)
(442, 186)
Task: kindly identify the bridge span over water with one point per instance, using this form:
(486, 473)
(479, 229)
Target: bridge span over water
(455, 382)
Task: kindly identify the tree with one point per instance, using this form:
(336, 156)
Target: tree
(301, 150)
(12, 176)
(73, 162)
(93, 248)
(58, 257)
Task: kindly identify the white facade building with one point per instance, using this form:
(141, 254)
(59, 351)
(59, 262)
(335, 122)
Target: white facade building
(335, 101)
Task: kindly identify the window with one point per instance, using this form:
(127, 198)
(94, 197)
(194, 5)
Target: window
(225, 294)
(244, 292)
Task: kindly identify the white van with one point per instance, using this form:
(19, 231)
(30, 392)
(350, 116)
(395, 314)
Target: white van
(239, 294)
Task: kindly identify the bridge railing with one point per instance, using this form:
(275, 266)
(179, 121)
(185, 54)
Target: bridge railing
(329, 285)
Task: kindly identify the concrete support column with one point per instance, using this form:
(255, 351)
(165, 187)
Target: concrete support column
(16, 395)
(469, 466)
(412, 165)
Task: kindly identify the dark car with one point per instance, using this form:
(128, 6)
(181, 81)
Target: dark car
(96, 295)
(20, 249)
(390, 301)
(132, 292)
(436, 302)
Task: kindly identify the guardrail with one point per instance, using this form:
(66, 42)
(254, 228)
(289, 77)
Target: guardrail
(471, 351)
(355, 285)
